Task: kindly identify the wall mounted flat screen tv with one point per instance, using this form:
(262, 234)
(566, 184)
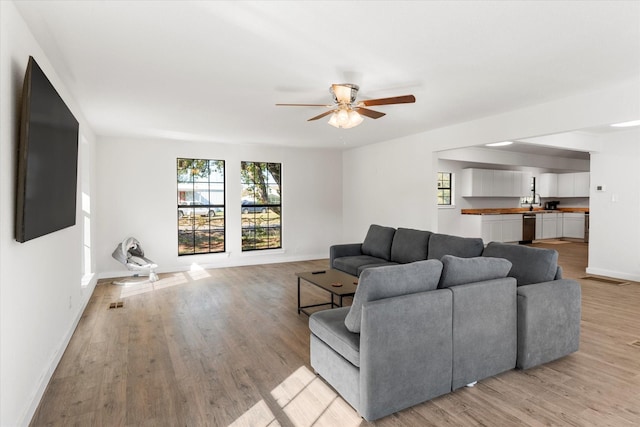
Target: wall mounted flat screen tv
(47, 159)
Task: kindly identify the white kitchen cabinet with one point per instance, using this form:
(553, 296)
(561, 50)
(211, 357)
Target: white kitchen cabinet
(511, 228)
(548, 185)
(476, 182)
(502, 183)
(494, 183)
(551, 228)
(566, 185)
(573, 225)
(491, 228)
(524, 183)
(581, 184)
(502, 228)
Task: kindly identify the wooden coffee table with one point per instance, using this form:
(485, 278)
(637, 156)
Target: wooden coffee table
(329, 281)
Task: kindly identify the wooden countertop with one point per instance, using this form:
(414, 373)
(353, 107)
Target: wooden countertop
(503, 211)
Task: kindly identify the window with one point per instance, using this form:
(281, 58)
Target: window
(201, 210)
(260, 206)
(445, 188)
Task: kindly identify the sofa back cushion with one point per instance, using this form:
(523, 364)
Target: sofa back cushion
(530, 265)
(409, 245)
(463, 247)
(459, 271)
(378, 241)
(391, 281)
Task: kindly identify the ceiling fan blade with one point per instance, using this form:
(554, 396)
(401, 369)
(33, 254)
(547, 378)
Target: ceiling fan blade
(405, 99)
(319, 116)
(304, 105)
(369, 113)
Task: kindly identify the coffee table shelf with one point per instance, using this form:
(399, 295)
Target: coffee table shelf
(327, 279)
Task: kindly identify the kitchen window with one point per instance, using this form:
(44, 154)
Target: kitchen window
(445, 189)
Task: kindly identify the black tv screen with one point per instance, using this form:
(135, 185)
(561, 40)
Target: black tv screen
(47, 159)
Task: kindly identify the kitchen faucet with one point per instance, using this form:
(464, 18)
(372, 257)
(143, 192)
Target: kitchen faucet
(533, 200)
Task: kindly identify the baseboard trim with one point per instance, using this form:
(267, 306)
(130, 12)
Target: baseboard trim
(612, 273)
(87, 290)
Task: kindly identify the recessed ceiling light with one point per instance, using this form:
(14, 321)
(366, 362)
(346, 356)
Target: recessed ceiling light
(626, 124)
(499, 144)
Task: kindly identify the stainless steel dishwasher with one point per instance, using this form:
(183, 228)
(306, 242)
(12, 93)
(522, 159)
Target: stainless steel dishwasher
(528, 228)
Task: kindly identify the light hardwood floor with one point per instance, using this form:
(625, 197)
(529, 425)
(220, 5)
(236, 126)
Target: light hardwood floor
(226, 347)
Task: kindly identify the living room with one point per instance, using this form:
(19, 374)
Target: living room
(334, 184)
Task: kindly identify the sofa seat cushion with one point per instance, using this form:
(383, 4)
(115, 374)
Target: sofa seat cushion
(463, 247)
(391, 281)
(351, 264)
(409, 245)
(328, 325)
(530, 265)
(459, 271)
(382, 264)
(378, 242)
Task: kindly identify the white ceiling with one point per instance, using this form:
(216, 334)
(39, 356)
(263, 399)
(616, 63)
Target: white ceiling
(214, 70)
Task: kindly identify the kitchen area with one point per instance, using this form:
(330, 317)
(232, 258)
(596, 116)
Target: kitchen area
(505, 201)
(541, 214)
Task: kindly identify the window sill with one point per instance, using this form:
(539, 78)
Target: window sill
(263, 252)
(446, 206)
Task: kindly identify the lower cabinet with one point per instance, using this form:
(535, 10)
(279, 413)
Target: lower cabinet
(551, 225)
(508, 227)
(502, 228)
(511, 228)
(573, 225)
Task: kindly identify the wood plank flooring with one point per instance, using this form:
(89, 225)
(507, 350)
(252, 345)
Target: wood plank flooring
(225, 347)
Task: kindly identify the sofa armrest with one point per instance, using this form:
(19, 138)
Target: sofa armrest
(346, 249)
(548, 321)
(405, 351)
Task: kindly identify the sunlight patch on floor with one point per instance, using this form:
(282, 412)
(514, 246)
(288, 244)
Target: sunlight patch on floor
(196, 272)
(307, 402)
(258, 416)
(147, 286)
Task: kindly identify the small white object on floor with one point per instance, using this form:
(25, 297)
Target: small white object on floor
(472, 384)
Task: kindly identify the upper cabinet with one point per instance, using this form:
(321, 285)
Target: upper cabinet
(494, 183)
(548, 185)
(564, 185)
(581, 184)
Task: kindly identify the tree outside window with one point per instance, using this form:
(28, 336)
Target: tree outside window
(261, 208)
(444, 188)
(201, 208)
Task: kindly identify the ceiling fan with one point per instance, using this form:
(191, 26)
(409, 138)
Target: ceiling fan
(345, 111)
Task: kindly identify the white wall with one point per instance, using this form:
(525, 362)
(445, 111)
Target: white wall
(137, 188)
(42, 292)
(377, 175)
(390, 183)
(615, 213)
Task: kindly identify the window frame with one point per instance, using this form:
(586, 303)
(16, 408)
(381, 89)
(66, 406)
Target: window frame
(449, 188)
(209, 221)
(271, 209)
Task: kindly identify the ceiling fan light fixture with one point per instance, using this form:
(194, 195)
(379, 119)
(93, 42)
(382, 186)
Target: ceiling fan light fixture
(354, 118)
(345, 118)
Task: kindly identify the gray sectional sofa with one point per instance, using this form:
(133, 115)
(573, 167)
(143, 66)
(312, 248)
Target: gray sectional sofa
(425, 322)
